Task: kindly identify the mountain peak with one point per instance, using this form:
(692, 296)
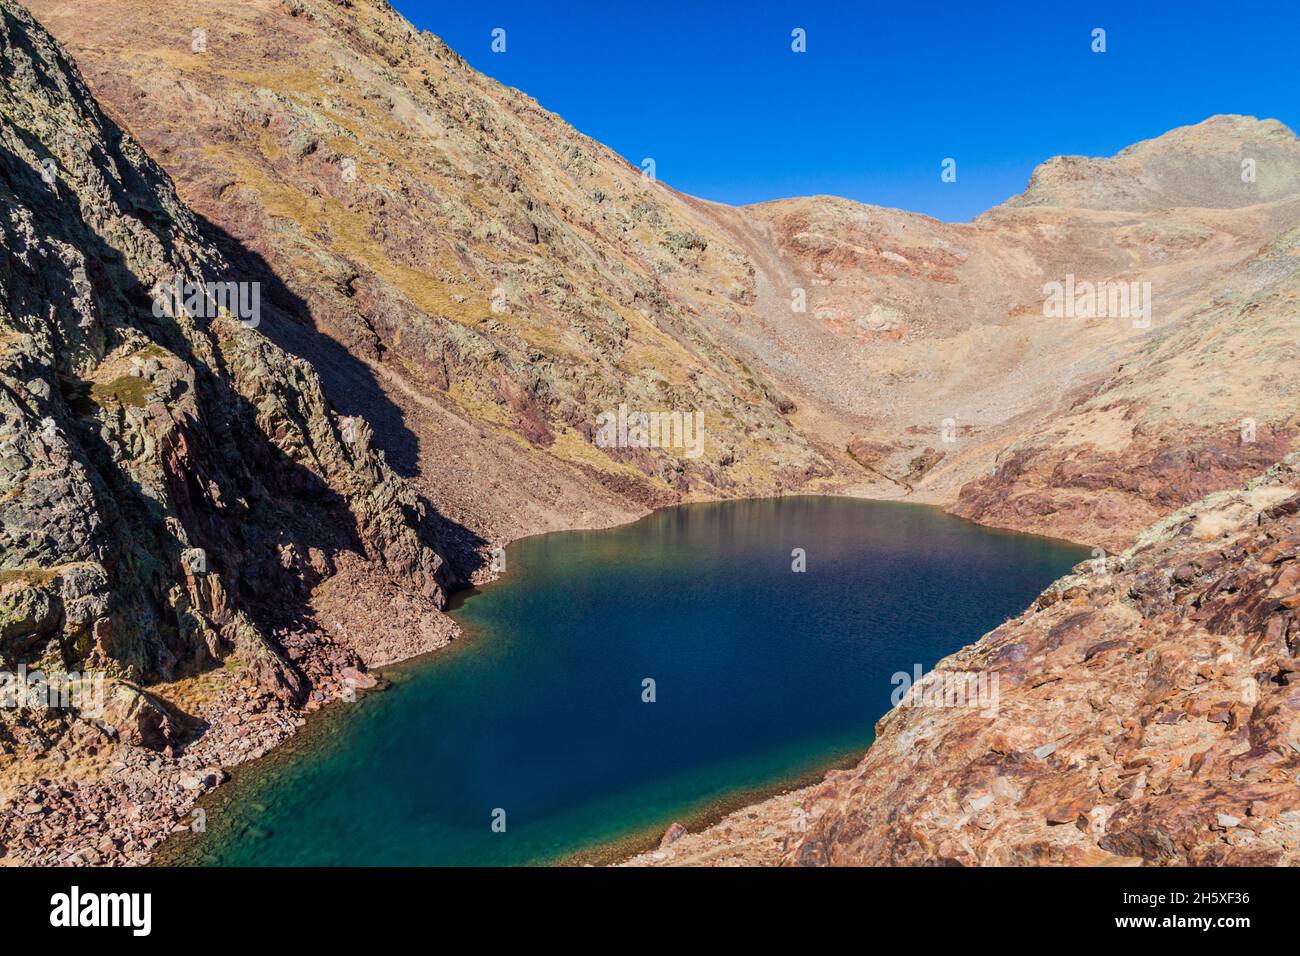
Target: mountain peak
(1224, 162)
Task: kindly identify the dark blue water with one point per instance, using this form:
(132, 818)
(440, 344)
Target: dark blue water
(763, 678)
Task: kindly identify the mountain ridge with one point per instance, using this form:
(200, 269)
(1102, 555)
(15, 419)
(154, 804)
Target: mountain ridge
(173, 489)
(856, 387)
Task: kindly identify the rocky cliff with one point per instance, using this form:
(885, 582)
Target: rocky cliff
(175, 490)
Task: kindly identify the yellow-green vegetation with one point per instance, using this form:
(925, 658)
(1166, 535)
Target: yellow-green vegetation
(538, 334)
(305, 82)
(482, 411)
(193, 692)
(663, 356)
(128, 391)
(570, 446)
(28, 577)
(153, 350)
(352, 239)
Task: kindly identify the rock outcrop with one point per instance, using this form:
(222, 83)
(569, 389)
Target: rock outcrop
(175, 489)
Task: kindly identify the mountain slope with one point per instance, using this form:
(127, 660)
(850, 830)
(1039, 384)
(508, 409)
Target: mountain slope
(922, 365)
(1084, 427)
(1231, 162)
(174, 489)
(516, 277)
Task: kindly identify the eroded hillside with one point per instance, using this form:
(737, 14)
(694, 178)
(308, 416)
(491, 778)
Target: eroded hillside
(471, 283)
(930, 341)
(508, 278)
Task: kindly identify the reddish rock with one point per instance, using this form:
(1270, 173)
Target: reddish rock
(672, 835)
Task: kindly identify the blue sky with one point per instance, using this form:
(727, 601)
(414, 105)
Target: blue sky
(885, 92)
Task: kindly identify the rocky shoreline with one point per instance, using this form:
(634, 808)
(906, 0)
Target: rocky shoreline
(143, 798)
(109, 790)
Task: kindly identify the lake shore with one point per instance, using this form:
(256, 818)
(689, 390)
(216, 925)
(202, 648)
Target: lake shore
(498, 646)
(133, 798)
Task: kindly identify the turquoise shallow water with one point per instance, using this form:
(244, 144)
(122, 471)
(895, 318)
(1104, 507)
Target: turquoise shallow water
(763, 678)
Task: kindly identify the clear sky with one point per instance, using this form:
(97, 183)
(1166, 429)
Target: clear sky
(885, 92)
